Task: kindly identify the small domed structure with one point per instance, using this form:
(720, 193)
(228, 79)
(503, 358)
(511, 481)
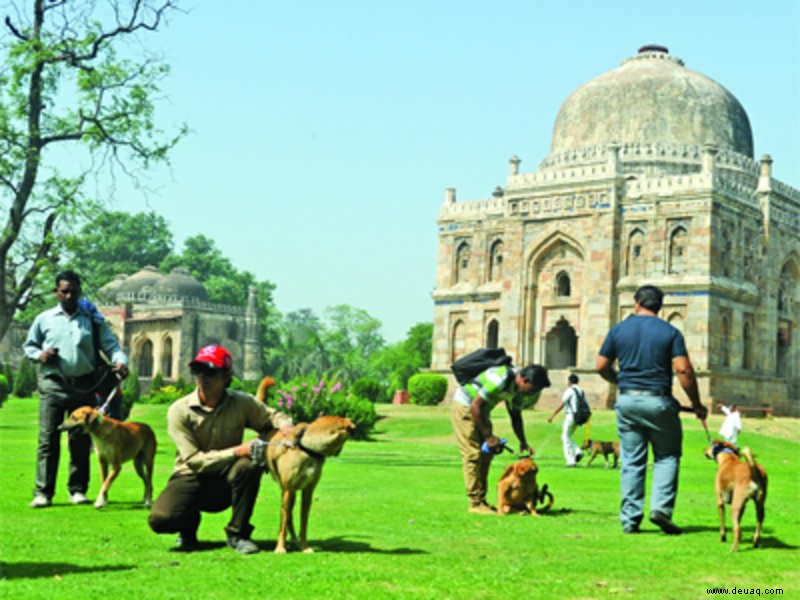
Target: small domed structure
(180, 284)
(109, 291)
(140, 284)
(652, 98)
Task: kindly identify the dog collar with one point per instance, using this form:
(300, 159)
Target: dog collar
(720, 449)
(98, 419)
(299, 442)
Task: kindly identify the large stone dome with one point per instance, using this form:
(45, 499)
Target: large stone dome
(652, 98)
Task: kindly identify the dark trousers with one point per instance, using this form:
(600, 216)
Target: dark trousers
(178, 508)
(56, 400)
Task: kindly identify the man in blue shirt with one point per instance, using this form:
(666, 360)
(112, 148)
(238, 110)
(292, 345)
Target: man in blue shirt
(62, 342)
(648, 350)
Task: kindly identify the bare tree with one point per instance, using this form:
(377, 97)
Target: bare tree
(69, 91)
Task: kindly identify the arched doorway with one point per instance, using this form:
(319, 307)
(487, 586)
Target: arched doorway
(492, 333)
(561, 346)
(145, 361)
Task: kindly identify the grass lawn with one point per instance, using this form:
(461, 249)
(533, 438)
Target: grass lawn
(389, 521)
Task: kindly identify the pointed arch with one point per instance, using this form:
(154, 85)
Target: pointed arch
(144, 358)
(678, 250)
(539, 253)
(563, 285)
(458, 340)
(492, 334)
(166, 357)
(634, 253)
(496, 260)
(461, 268)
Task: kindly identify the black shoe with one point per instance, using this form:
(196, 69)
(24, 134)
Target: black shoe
(578, 457)
(241, 544)
(631, 529)
(665, 523)
(187, 542)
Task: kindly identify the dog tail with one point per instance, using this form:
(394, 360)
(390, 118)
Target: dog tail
(757, 473)
(263, 389)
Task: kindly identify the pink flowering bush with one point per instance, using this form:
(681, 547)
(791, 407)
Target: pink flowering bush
(305, 399)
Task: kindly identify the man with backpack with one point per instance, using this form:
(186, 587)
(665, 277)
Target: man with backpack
(472, 404)
(575, 407)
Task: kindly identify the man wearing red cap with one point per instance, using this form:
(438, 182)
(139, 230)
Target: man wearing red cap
(213, 468)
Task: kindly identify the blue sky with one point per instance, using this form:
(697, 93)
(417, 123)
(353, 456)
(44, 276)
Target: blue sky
(323, 134)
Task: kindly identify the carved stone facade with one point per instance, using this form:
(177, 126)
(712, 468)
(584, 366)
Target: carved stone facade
(162, 320)
(666, 193)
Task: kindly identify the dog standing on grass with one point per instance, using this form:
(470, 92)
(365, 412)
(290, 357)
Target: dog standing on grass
(736, 483)
(116, 442)
(295, 460)
(605, 448)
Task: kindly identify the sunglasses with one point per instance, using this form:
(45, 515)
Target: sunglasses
(198, 370)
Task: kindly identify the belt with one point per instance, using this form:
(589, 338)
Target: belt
(79, 381)
(641, 392)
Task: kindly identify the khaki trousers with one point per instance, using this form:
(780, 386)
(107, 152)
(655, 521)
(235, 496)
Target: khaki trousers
(475, 464)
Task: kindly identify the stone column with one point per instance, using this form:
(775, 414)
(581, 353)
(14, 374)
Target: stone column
(251, 367)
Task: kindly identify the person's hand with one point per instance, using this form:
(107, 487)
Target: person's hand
(700, 411)
(120, 369)
(258, 452)
(525, 449)
(49, 356)
(493, 442)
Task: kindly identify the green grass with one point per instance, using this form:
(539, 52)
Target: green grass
(390, 520)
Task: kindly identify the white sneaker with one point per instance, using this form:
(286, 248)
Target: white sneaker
(79, 498)
(40, 501)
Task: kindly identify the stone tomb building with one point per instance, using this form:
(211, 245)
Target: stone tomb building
(650, 179)
(162, 320)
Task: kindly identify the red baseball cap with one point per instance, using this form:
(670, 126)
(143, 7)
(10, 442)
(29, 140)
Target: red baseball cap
(213, 357)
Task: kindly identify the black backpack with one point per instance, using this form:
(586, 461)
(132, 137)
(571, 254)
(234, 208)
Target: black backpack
(582, 409)
(473, 364)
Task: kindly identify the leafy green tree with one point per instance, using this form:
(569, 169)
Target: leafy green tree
(351, 337)
(398, 362)
(300, 350)
(115, 242)
(66, 91)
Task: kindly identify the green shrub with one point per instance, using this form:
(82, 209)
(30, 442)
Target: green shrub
(180, 383)
(158, 381)
(304, 400)
(369, 388)
(130, 393)
(9, 373)
(165, 395)
(247, 385)
(4, 389)
(25, 380)
(427, 389)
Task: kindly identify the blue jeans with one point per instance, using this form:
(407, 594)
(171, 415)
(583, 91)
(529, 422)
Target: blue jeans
(643, 420)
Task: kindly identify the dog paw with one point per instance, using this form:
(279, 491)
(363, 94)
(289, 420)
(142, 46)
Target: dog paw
(308, 550)
(281, 550)
(99, 504)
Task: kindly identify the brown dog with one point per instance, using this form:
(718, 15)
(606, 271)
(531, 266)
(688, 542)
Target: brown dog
(604, 448)
(517, 489)
(736, 483)
(116, 442)
(295, 461)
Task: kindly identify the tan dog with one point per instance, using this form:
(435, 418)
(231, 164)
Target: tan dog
(116, 442)
(604, 448)
(295, 461)
(517, 489)
(736, 483)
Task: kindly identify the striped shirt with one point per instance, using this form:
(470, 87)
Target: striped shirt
(494, 385)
